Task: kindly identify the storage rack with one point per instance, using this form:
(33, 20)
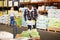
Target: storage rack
(46, 3)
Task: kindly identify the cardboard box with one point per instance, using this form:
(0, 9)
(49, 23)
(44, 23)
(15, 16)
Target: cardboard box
(1, 4)
(5, 3)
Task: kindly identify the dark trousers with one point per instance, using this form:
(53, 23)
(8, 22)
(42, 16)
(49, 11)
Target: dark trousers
(13, 25)
(11, 21)
(30, 26)
(15, 30)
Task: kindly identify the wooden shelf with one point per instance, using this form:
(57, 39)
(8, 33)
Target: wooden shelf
(56, 0)
(24, 2)
(46, 2)
(52, 0)
(41, 3)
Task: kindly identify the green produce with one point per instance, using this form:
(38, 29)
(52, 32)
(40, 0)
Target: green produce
(34, 33)
(25, 34)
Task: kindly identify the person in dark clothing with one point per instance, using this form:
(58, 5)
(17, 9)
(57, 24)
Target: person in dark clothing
(30, 14)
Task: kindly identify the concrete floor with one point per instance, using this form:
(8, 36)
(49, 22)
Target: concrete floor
(43, 34)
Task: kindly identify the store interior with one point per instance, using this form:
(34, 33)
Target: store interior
(47, 23)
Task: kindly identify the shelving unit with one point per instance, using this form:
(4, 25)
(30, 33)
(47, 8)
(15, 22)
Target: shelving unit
(1, 6)
(5, 3)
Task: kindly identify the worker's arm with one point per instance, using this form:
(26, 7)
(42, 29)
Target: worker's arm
(25, 15)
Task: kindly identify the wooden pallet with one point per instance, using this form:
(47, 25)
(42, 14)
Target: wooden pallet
(41, 29)
(37, 38)
(52, 29)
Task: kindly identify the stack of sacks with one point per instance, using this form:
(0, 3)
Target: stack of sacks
(54, 18)
(40, 0)
(57, 24)
(4, 19)
(50, 7)
(53, 22)
(8, 19)
(5, 35)
(42, 22)
(21, 0)
(52, 13)
(26, 0)
(57, 13)
(34, 1)
(0, 19)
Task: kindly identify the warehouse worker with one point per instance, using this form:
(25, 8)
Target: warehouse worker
(30, 16)
(19, 18)
(12, 14)
(12, 21)
(20, 13)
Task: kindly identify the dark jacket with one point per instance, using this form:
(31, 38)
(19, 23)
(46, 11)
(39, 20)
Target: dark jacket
(30, 15)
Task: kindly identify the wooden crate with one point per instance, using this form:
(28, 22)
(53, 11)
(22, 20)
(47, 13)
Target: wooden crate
(53, 29)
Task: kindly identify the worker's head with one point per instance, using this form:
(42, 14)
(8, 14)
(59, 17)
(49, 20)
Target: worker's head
(12, 8)
(20, 10)
(30, 6)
